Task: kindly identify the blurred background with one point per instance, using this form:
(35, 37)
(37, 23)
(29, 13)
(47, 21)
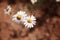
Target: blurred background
(47, 13)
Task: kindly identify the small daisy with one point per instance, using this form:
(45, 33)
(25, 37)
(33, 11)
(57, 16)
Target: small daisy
(18, 17)
(30, 21)
(57, 0)
(7, 10)
(33, 1)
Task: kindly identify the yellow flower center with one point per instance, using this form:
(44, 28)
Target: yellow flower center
(29, 20)
(19, 17)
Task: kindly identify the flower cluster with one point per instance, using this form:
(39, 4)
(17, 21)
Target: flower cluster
(22, 17)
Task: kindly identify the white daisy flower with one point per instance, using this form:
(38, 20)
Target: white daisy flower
(30, 21)
(18, 17)
(7, 10)
(57, 0)
(33, 1)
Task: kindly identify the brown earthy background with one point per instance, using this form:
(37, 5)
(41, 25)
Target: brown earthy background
(46, 28)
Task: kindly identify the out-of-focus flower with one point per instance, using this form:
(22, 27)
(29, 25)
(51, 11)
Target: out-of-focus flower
(33, 1)
(8, 10)
(57, 0)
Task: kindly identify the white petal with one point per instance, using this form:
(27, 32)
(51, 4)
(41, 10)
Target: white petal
(17, 21)
(13, 19)
(34, 22)
(33, 18)
(31, 25)
(26, 25)
(14, 16)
